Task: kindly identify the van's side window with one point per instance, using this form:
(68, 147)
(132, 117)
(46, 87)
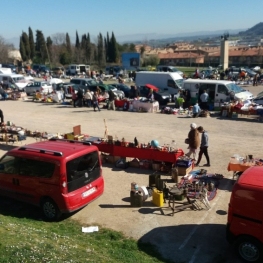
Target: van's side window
(29, 167)
(9, 165)
(222, 89)
(170, 83)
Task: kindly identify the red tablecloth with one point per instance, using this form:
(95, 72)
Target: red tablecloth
(140, 153)
(120, 103)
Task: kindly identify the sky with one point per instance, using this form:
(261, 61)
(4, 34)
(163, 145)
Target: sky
(125, 17)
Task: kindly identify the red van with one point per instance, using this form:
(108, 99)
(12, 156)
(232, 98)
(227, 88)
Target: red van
(60, 176)
(245, 215)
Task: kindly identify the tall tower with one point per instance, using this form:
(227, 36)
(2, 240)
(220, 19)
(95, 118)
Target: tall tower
(224, 51)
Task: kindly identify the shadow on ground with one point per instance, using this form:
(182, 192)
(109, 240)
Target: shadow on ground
(204, 243)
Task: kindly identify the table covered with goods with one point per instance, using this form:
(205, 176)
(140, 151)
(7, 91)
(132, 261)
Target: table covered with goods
(239, 164)
(242, 108)
(138, 105)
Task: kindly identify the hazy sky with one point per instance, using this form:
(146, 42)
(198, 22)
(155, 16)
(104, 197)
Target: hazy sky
(126, 17)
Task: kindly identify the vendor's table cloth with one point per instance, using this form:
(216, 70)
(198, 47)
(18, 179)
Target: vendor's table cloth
(140, 153)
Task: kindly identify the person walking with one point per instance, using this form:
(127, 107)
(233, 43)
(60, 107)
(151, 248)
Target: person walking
(204, 100)
(95, 99)
(80, 97)
(74, 98)
(88, 98)
(193, 140)
(203, 146)
(111, 103)
(196, 110)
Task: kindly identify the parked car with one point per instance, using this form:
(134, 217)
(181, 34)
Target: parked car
(55, 175)
(57, 72)
(250, 72)
(91, 84)
(105, 88)
(11, 66)
(125, 88)
(163, 97)
(166, 68)
(38, 86)
(207, 74)
(259, 99)
(40, 68)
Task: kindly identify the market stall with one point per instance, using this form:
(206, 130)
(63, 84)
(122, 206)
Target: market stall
(239, 164)
(130, 150)
(243, 108)
(145, 106)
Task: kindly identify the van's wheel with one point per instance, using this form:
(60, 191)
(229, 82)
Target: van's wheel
(249, 249)
(50, 210)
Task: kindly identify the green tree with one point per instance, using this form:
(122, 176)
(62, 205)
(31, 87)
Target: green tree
(100, 48)
(68, 48)
(152, 60)
(88, 50)
(77, 45)
(41, 49)
(113, 50)
(25, 40)
(22, 49)
(49, 49)
(64, 57)
(31, 43)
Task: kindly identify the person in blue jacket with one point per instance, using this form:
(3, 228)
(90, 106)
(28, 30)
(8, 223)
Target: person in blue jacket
(203, 147)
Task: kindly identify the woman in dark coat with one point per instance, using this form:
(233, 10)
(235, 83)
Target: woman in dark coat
(194, 140)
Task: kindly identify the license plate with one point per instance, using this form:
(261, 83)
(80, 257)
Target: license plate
(89, 192)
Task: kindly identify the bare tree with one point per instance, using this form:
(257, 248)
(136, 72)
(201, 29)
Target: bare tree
(58, 38)
(4, 49)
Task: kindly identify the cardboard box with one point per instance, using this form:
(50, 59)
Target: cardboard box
(182, 171)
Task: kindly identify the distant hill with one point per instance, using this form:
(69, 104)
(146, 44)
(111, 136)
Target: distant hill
(256, 30)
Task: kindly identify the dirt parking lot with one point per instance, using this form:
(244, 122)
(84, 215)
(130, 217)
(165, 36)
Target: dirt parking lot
(188, 236)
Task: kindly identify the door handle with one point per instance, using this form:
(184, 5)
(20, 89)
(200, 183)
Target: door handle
(216, 94)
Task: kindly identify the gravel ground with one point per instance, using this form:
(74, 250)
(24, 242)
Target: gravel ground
(188, 236)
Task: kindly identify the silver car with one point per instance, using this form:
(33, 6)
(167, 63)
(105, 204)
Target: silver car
(38, 86)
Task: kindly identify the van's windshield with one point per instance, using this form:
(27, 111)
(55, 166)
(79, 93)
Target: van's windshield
(233, 87)
(179, 83)
(19, 79)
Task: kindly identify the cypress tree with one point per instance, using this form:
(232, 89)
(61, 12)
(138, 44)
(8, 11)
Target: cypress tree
(25, 40)
(31, 43)
(100, 49)
(114, 49)
(77, 45)
(41, 48)
(68, 49)
(22, 49)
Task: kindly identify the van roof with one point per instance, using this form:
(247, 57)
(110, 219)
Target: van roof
(207, 81)
(65, 147)
(252, 176)
(159, 73)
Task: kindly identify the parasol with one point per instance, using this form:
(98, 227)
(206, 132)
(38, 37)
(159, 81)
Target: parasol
(150, 86)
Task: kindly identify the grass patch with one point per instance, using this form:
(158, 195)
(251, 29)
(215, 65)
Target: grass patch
(27, 239)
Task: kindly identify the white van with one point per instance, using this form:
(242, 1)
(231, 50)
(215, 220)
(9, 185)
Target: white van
(218, 90)
(77, 69)
(166, 68)
(169, 81)
(14, 81)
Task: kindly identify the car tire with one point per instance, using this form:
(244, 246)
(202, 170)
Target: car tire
(249, 249)
(50, 210)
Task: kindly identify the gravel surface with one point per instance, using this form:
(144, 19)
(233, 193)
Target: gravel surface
(188, 236)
